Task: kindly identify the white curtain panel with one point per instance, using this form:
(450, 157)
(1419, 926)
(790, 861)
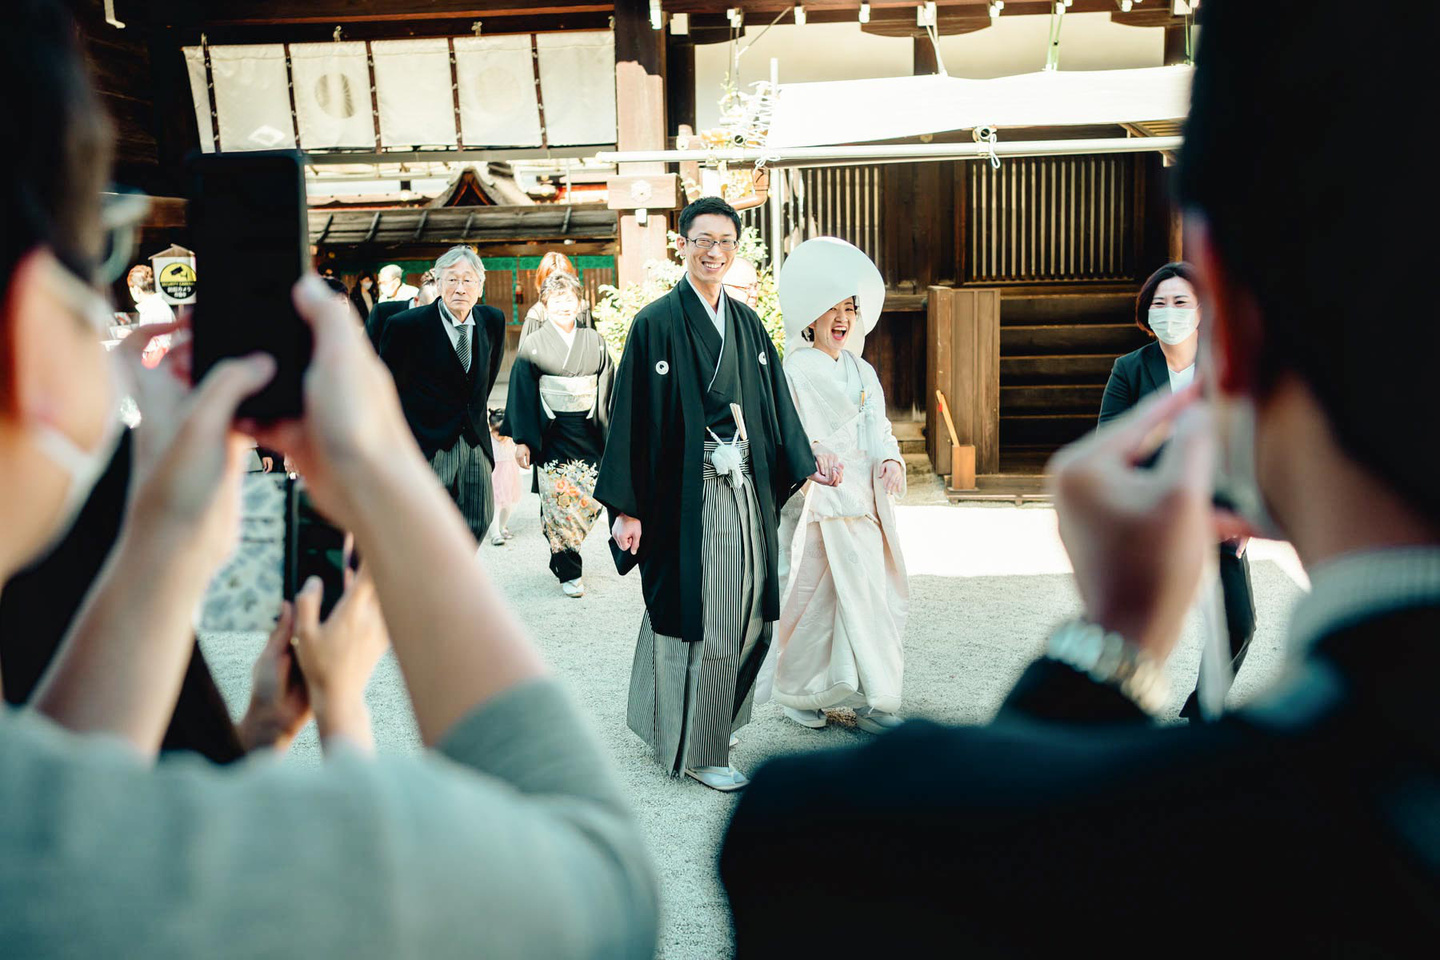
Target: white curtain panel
(332, 95)
(412, 86)
(200, 93)
(577, 82)
(498, 107)
(252, 97)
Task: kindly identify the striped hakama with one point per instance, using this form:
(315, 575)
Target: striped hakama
(464, 472)
(687, 698)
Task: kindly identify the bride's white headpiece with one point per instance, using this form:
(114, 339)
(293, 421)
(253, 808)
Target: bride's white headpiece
(820, 273)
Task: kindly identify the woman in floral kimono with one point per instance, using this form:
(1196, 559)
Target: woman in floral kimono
(558, 414)
(838, 643)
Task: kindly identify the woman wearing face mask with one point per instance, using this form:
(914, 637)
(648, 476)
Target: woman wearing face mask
(1168, 308)
(844, 592)
(363, 294)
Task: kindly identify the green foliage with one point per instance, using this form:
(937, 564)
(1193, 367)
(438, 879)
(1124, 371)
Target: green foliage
(618, 306)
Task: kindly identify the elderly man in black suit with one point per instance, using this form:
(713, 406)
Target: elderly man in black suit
(445, 357)
(1305, 823)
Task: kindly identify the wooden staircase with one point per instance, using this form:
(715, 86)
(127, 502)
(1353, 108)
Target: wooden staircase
(1056, 351)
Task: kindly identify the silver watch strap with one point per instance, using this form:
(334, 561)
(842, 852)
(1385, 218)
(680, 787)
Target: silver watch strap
(1108, 658)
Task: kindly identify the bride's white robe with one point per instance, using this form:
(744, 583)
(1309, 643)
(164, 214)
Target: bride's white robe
(844, 592)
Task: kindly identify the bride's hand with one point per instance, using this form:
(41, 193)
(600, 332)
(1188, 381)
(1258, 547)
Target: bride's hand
(892, 477)
(828, 469)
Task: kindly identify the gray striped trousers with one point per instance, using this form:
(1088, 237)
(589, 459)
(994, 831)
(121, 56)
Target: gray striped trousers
(687, 698)
(465, 474)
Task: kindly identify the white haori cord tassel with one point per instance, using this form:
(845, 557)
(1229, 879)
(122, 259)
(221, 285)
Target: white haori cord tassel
(726, 460)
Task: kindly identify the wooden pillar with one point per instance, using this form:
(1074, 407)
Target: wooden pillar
(679, 83)
(1177, 234)
(926, 62)
(1174, 44)
(640, 116)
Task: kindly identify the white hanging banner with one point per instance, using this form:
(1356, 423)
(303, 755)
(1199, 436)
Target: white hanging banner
(412, 87)
(252, 97)
(498, 106)
(200, 93)
(577, 83)
(332, 95)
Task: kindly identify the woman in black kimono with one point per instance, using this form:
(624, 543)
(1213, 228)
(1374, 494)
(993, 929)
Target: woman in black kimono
(558, 415)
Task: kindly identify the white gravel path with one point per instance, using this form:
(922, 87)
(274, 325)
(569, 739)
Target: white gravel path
(987, 584)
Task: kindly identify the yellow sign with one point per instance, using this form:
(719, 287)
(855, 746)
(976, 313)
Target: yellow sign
(177, 281)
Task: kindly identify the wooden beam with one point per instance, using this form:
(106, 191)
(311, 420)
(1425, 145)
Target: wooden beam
(331, 12)
(189, 35)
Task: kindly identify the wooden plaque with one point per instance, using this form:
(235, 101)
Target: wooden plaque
(657, 191)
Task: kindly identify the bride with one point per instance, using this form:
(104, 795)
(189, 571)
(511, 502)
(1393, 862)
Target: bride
(838, 642)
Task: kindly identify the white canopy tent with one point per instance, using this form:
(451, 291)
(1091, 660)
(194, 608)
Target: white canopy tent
(836, 122)
(859, 111)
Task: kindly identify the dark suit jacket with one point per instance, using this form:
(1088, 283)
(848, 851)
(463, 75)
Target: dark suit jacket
(380, 315)
(441, 401)
(1138, 373)
(1072, 824)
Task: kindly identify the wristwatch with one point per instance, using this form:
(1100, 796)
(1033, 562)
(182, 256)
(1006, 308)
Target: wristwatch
(1108, 658)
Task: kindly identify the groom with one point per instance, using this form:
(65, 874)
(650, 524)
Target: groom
(700, 374)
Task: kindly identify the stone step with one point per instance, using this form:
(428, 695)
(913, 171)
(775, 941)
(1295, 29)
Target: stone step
(917, 466)
(916, 445)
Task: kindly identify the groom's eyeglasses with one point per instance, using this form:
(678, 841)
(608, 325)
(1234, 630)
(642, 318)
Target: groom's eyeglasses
(705, 243)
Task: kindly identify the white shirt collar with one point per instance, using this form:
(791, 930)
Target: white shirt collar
(449, 317)
(717, 315)
(1358, 586)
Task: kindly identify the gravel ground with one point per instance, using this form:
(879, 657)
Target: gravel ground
(987, 584)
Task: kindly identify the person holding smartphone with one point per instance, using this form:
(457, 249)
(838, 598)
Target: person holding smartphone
(1305, 823)
(508, 838)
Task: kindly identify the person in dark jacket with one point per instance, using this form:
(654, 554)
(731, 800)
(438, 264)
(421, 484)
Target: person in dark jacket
(445, 358)
(1303, 824)
(1168, 309)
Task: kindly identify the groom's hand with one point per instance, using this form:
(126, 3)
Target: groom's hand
(626, 532)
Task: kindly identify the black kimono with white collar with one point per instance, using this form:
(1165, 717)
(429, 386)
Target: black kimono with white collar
(654, 455)
(559, 436)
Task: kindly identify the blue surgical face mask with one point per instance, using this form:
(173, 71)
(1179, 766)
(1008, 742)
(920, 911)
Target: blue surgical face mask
(1173, 325)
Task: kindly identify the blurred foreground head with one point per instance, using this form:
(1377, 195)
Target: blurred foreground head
(1313, 225)
(55, 387)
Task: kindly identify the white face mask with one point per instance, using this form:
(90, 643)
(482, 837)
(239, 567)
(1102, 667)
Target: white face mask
(1173, 324)
(84, 467)
(364, 284)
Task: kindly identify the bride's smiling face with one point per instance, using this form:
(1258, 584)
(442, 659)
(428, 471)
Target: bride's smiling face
(833, 327)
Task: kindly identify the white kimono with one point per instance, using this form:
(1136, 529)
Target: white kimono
(844, 592)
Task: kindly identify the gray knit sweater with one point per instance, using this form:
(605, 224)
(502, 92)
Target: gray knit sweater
(511, 840)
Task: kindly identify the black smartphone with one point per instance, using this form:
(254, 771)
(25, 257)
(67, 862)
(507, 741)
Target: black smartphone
(315, 548)
(251, 239)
